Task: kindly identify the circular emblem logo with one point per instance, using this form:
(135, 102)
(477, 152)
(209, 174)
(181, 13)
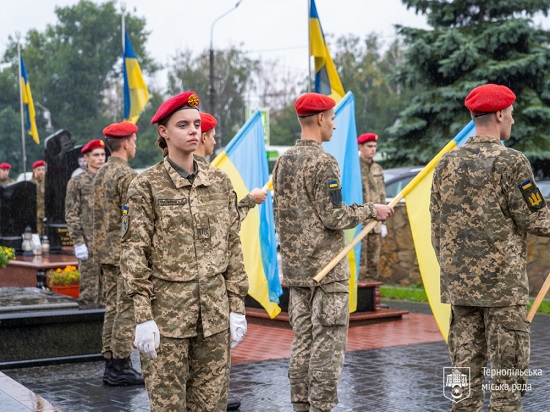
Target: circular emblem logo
(193, 100)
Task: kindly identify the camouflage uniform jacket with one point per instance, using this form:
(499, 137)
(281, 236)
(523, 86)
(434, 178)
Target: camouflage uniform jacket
(40, 206)
(244, 205)
(310, 215)
(110, 189)
(7, 181)
(374, 190)
(182, 258)
(79, 208)
(480, 221)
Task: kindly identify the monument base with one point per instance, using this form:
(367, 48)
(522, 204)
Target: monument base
(39, 327)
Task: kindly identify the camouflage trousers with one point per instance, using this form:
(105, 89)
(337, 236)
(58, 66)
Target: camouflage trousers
(499, 335)
(91, 287)
(319, 316)
(119, 322)
(191, 372)
(370, 257)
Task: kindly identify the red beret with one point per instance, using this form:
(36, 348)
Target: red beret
(181, 101)
(208, 122)
(5, 166)
(489, 98)
(122, 129)
(93, 144)
(313, 103)
(38, 163)
(367, 137)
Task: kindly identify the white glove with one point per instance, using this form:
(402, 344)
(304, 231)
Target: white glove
(237, 327)
(81, 251)
(383, 230)
(147, 338)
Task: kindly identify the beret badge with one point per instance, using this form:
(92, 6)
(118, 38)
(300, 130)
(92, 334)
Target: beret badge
(193, 100)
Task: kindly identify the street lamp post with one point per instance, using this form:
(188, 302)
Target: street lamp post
(47, 116)
(212, 89)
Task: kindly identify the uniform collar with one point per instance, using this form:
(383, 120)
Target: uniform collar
(313, 143)
(484, 139)
(201, 177)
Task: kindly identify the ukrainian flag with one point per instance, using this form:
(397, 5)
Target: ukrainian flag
(28, 105)
(245, 161)
(327, 80)
(343, 146)
(417, 194)
(136, 94)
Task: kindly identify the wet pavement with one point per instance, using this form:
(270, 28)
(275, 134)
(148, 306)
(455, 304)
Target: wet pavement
(397, 378)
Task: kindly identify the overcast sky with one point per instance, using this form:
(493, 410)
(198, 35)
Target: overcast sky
(270, 29)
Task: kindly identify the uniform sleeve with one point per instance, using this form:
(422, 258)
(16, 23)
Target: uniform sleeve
(244, 206)
(382, 188)
(333, 212)
(236, 280)
(528, 209)
(136, 247)
(73, 208)
(435, 212)
(122, 187)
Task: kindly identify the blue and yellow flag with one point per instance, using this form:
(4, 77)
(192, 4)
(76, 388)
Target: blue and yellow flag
(28, 105)
(245, 161)
(136, 94)
(327, 80)
(343, 146)
(417, 194)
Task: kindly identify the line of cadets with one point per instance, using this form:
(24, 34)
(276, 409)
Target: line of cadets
(178, 273)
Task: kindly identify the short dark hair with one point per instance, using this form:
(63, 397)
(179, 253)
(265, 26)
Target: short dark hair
(114, 144)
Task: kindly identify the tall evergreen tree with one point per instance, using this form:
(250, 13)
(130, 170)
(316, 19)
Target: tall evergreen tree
(473, 42)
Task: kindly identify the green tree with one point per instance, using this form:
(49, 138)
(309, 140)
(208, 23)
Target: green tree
(472, 43)
(74, 67)
(233, 74)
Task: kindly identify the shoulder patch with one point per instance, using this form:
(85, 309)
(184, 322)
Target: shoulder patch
(124, 223)
(532, 195)
(334, 192)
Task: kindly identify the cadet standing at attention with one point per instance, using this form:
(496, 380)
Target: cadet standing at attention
(183, 264)
(79, 215)
(110, 189)
(5, 178)
(484, 201)
(374, 190)
(207, 142)
(310, 217)
(39, 179)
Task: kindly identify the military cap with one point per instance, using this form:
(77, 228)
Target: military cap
(310, 104)
(93, 144)
(122, 129)
(489, 98)
(182, 101)
(367, 137)
(38, 163)
(208, 122)
(5, 166)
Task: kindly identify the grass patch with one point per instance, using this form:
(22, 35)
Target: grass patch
(402, 293)
(418, 294)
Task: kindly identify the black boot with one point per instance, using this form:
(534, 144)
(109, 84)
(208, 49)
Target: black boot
(122, 374)
(233, 404)
(108, 366)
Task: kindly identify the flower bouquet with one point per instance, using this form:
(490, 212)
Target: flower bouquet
(64, 281)
(6, 254)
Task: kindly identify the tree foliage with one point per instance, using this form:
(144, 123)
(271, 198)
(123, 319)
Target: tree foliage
(472, 43)
(233, 79)
(73, 67)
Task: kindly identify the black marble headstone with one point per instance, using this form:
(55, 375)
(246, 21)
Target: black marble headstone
(17, 211)
(61, 161)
